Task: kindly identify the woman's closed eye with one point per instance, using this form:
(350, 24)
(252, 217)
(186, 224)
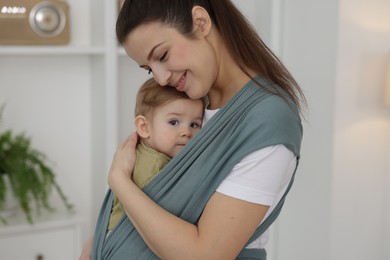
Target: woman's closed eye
(163, 57)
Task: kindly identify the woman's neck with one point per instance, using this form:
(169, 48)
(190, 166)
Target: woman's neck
(230, 81)
(230, 78)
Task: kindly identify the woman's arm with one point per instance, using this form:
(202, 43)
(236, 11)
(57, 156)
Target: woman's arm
(86, 252)
(222, 231)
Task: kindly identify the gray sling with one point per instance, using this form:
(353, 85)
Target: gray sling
(252, 120)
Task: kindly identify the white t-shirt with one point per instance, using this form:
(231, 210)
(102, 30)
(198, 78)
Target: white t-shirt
(261, 177)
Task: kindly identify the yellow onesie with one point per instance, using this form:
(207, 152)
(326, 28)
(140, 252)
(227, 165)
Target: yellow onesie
(149, 162)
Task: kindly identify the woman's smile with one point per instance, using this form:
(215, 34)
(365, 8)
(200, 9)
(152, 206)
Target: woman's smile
(180, 85)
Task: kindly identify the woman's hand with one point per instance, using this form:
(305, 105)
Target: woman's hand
(86, 253)
(123, 163)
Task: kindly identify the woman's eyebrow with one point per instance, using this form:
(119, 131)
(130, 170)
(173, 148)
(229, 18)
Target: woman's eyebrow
(152, 51)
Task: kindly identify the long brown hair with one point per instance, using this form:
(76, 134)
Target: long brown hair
(242, 41)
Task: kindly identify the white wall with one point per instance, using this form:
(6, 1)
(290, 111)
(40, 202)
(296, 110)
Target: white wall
(339, 207)
(55, 114)
(360, 184)
(308, 48)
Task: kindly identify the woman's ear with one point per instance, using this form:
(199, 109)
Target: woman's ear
(142, 126)
(201, 21)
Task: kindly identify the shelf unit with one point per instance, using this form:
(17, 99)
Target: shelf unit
(76, 101)
(55, 236)
(58, 51)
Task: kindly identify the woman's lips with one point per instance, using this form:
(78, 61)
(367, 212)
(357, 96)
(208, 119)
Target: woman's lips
(181, 83)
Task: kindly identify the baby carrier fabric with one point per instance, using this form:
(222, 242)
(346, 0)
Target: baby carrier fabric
(254, 118)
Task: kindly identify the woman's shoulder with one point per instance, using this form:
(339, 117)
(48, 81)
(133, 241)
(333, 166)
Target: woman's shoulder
(275, 108)
(275, 120)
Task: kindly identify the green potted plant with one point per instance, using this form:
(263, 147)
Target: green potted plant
(30, 178)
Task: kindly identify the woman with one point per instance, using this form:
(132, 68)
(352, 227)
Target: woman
(218, 196)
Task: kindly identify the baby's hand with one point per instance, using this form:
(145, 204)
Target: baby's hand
(123, 163)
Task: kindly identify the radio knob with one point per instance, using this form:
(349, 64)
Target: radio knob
(47, 19)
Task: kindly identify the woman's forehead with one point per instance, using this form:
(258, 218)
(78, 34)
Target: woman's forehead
(145, 37)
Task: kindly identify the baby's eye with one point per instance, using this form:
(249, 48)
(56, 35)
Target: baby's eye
(174, 122)
(149, 70)
(195, 125)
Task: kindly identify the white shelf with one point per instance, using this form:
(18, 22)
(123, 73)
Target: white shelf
(50, 50)
(52, 236)
(64, 98)
(18, 224)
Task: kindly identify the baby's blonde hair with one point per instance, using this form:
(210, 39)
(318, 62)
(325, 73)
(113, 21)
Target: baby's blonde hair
(151, 95)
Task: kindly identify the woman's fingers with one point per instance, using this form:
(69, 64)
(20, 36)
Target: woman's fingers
(124, 159)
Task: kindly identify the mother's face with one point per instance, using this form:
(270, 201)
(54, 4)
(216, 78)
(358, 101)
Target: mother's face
(188, 64)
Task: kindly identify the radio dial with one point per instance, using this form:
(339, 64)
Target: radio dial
(47, 19)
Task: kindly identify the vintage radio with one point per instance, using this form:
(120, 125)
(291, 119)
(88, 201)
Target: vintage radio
(34, 22)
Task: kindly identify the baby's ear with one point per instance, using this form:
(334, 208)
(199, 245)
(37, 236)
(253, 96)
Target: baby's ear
(142, 125)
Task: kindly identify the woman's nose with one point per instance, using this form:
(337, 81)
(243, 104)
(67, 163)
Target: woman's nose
(161, 75)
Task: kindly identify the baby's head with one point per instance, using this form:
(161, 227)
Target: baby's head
(166, 119)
